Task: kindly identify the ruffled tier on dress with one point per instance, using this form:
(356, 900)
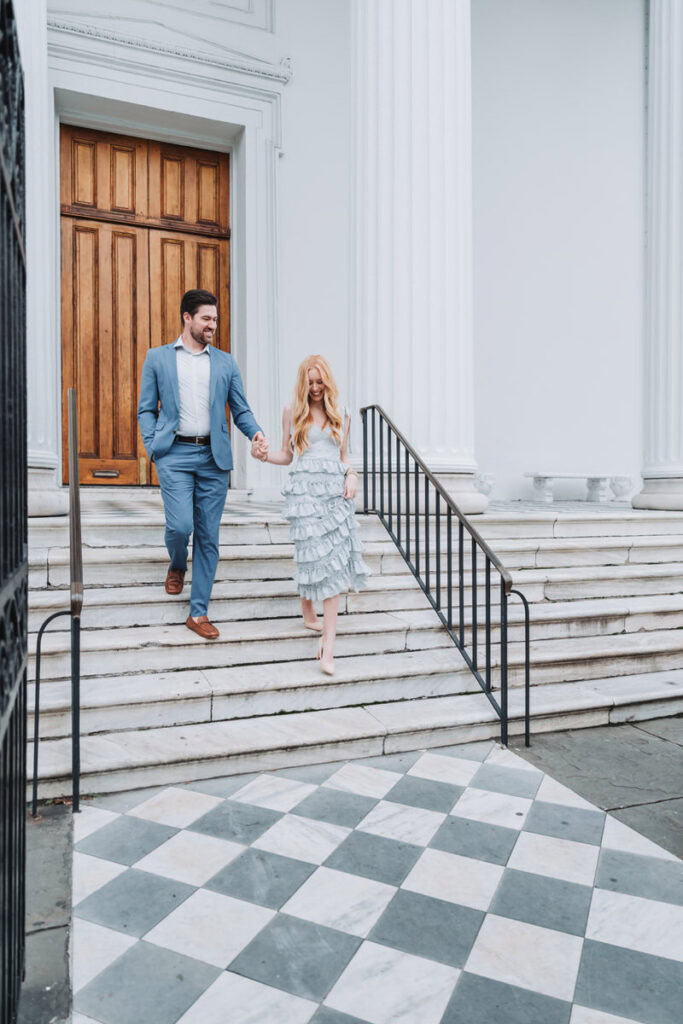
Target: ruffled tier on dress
(322, 524)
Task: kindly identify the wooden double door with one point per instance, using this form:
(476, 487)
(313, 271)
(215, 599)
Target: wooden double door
(142, 222)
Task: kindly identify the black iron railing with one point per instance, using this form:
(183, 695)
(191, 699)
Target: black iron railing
(74, 611)
(13, 521)
(461, 576)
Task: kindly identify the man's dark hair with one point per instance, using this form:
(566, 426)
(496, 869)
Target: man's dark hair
(192, 300)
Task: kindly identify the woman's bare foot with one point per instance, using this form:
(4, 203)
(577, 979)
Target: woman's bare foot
(309, 616)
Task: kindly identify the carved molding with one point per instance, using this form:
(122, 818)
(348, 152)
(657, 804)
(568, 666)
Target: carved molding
(281, 72)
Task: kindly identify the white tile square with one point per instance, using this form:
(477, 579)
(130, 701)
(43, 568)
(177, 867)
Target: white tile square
(89, 819)
(617, 836)
(448, 876)
(554, 792)
(384, 986)
(339, 900)
(90, 874)
(583, 1015)
(648, 926)
(190, 857)
(210, 927)
(457, 771)
(274, 792)
(364, 780)
(555, 858)
(93, 948)
(504, 758)
(302, 838)
(492, 808)
(398, 821)
(525, 955)
(232, 999)
(176, 807)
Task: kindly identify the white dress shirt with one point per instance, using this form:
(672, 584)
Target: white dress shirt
(194, 373)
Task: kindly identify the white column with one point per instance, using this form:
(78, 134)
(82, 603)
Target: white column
(411, 343)
(663, 362)
(44, 384)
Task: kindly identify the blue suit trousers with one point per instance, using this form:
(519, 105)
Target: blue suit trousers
(194, 490)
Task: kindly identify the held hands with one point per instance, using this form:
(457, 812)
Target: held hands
(351, 485)
(259, 447)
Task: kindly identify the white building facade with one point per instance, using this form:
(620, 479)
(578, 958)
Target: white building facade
(471, 207)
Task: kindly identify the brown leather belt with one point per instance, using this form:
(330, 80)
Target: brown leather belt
(192, 440)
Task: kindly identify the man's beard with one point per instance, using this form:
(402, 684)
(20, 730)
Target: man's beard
(198, 336)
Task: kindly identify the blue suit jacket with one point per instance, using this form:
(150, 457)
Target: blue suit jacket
(159, 405)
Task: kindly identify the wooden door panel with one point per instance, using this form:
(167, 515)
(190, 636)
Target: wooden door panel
(189, 187)
(105, 332)
(103, 174)
(177, 263)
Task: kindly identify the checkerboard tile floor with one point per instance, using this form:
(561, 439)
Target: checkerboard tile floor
(436, 887)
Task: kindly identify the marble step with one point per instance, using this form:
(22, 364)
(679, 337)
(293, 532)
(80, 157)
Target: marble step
(125, 567)
(152, 700)
(123, 760)
(107, 652)
(109, 607)
(128, 524)
(560, 651)
(269, 541)
(149, 604)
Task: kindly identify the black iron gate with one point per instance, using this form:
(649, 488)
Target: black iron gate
(13, 522)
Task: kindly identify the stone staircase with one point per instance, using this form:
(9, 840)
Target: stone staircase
(159, 704)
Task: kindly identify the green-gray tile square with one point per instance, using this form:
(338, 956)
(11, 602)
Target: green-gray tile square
(478, 1000)
(476, 839)
(125, 840)
(296, 956)
(427, 927)
(638, 875)
(384, 860)
(512, 781)
(576, 823)
(147, 985)
(547, 902)
(418, 792)
(240, 823)
(629, 984)
(261, 877)
(133, 902)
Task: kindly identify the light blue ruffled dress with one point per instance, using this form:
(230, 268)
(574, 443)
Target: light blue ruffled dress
(322, 522)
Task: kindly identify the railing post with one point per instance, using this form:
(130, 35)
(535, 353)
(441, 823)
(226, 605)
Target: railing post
(398, 489)
(449, 560)
(438, 550)
(407, 507)
(390, 480)
(427, 545)
(374, 460)
(381, 465)
(365, 460)
(461, 582)
(488, 625)
(503, 665)
(475, 643)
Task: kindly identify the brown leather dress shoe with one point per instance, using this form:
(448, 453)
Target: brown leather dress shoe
(202, 627)
(175, 581)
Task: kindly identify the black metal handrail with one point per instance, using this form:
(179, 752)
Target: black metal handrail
(74, 612)
(400, 514)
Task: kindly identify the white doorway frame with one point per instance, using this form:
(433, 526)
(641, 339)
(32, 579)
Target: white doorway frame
(135, 87)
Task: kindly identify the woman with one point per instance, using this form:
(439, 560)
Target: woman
(319, 500)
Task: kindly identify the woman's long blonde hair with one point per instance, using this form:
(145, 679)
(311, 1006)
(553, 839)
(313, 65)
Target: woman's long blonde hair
(302, 417)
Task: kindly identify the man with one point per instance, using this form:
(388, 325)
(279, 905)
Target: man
(183, 394)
